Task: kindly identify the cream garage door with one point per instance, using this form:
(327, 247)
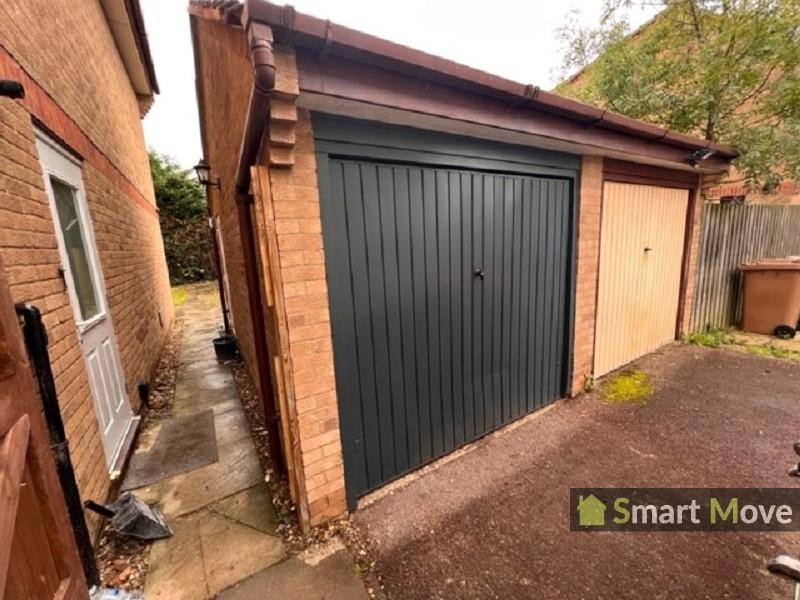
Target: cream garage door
(641, 251)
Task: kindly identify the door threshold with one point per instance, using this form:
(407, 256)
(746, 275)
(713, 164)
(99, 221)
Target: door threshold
(118, 465)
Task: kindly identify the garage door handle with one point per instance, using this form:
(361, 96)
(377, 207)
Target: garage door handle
(647, 248)
(479, 273)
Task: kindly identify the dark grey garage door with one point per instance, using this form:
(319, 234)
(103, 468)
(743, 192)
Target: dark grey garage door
(449, 293)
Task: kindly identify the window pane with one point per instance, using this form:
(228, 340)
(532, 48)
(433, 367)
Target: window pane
(71, 231)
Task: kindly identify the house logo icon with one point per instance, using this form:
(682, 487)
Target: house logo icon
(591, 511)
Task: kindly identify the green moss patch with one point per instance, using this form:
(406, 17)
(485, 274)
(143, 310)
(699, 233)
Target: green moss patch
(629, 387)
(773, 351)
(178, 296)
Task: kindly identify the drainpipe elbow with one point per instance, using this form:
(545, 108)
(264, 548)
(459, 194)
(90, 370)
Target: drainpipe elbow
(262, 57)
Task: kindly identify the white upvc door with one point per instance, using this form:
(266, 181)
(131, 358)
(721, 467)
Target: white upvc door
(85, 284)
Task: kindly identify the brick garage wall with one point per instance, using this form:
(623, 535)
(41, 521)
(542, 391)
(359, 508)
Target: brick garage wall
(298, 328)
(693, 260)
(590, 198)
(225, 76)
(311, 385)
(121, 207)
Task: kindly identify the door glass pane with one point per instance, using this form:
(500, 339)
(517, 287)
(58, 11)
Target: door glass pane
(75, 244)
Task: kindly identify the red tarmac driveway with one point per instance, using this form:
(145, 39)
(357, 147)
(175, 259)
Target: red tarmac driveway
(493, 521)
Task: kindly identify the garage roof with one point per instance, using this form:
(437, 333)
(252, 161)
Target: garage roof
(329, 39)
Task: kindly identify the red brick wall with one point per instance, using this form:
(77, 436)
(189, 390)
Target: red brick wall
(67, 48)
(590, 197)
(692, 261)
(312, 384)
(223, 58)
(79, 90)
(297, 320)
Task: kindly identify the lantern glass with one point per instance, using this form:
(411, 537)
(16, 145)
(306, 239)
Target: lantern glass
(203, 172)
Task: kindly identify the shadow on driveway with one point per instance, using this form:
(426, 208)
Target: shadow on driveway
(494, 523)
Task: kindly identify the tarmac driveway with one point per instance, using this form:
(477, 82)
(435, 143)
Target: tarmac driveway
(493, 521)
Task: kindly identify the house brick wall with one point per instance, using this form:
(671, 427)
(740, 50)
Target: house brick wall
(590, 197)
(78, 89)
(67, 48)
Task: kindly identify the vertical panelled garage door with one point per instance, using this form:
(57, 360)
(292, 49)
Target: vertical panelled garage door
(449, 294)
(641, 251)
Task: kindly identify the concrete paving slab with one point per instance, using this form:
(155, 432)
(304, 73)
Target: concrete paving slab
(223, 518)
(192, 402)
(237, 469)
(177, 570)
(251, 507)
(233, 551)
(333, 578)
(231, 426)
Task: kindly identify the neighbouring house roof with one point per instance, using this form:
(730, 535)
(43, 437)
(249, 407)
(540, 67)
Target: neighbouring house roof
(331, 39)
(127, 26)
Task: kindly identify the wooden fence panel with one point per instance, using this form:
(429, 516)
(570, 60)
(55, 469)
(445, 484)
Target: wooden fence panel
(733, 234)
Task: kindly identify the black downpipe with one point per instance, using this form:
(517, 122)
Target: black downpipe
(223, 303)
(36, 342)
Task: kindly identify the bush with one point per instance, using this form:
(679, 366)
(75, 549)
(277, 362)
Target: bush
(184, 221)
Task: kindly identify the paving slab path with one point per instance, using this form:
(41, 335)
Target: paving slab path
(225, 527)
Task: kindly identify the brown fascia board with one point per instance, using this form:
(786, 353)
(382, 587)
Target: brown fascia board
(142, 45)
(328, 38)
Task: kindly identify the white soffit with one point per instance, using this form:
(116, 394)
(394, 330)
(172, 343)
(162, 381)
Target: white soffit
(122, 30)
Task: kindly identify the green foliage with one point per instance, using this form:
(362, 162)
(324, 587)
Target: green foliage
(629, 387)
(710, 336)
(184, 221)
(726, 70)
(771, 350)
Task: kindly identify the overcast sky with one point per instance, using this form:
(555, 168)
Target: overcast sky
(512, 38)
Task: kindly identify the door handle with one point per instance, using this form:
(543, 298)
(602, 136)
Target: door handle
(647, 248)
(479, 273)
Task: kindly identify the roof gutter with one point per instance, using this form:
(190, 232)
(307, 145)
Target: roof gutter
(262, 59)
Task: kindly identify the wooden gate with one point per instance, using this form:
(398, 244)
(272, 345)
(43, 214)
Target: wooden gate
(641, 250)
(38, 557)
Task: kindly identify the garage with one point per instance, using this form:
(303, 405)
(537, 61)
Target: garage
(451, 300)
(414, 246)
(642, 241)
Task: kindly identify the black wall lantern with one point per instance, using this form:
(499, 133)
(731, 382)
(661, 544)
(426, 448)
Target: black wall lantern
(203, 171)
